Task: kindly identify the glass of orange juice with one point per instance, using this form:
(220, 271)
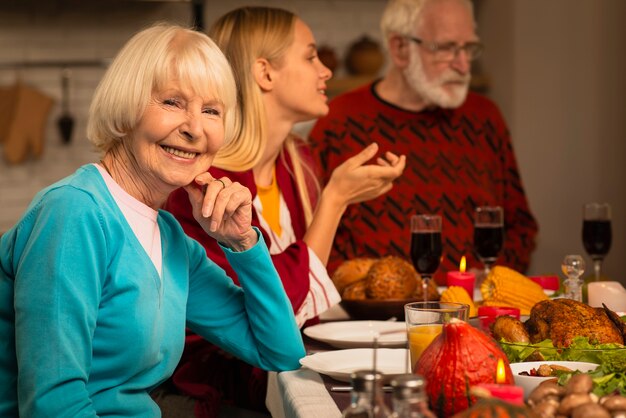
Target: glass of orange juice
(424, 321)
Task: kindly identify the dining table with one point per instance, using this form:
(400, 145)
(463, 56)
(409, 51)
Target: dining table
(305, 393)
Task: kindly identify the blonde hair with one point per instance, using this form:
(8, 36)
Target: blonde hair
(402, 16)
(244, 35)
(151, 58)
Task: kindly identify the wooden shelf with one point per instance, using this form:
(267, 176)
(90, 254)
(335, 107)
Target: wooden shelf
(340, 85)
(336, 86)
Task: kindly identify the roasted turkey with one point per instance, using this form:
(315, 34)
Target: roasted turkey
(561, 320)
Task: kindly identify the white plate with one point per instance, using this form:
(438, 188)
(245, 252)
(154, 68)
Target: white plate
(339, 364)
(359, 334)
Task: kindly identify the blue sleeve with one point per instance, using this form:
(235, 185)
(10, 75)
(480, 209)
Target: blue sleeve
(56, 297)
(254, 322)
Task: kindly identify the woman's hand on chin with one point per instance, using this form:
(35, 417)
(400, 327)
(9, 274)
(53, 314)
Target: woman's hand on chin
(224, 210)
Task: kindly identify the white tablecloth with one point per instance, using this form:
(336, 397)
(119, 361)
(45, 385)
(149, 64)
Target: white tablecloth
(299, 394)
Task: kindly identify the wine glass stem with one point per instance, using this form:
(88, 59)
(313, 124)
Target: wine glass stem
(597, 265)
(487, 268)
(425, 280)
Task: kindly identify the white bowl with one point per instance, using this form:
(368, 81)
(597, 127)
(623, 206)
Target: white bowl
(528, 383)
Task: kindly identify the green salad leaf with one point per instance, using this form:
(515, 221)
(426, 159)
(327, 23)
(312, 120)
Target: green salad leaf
(608, 378)
(580, 350)
(519, 352)
(604, 383)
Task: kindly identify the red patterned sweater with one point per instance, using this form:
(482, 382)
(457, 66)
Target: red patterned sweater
(457, 159)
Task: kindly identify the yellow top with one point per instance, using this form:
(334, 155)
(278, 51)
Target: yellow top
(270, 200)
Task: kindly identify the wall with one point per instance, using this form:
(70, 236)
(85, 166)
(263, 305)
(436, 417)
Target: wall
(556, 70)
(557, 73)
(56, 31)
(564, 95)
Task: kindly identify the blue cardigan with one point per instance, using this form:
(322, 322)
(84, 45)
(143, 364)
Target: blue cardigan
(88, 328)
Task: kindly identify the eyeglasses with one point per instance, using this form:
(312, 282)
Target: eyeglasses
(449, 50)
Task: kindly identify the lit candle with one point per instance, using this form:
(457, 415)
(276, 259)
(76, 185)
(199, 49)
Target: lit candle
(462, 278)
(508, 393)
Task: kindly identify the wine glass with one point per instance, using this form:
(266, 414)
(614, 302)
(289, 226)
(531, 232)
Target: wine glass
(426, 247)
(597, 233)
(573, 267)
(488, 234)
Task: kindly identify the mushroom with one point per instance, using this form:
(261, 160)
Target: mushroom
(547, 407)
(544, 390)
(571, 401)
(590, 410)
(614, 403)
(579, 383)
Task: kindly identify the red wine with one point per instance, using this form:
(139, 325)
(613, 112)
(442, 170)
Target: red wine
(426, 251)
(597, 238)
(488, 241)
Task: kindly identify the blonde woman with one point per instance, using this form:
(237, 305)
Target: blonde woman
(281, 82)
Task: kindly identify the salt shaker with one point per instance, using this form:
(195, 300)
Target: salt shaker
(367, 396)
(409, 399)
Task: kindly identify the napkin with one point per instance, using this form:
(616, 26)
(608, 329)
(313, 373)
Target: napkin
(299, 393)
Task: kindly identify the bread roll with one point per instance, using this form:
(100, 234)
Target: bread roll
(391, 278)
(355, 291)
(351, 271)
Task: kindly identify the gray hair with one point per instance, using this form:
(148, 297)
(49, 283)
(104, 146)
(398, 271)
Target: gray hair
(402, 16)
(144, 65)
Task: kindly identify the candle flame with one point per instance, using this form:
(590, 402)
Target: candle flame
(500, 372)
(462, 265)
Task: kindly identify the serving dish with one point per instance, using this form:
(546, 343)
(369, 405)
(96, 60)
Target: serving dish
(359, 334)
(340, 364)
(528, 383)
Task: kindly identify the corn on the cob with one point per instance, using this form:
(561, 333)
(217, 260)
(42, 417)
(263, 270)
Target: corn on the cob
(506, 287)
(459, 294)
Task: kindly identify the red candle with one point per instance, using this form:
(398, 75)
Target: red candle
(508, 393)
(550, 282)
(461, 278)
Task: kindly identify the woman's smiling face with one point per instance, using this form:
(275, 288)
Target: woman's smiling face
(177, 137)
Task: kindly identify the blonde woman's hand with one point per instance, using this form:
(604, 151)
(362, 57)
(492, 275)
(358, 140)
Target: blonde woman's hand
(355, 181)
(224, 210)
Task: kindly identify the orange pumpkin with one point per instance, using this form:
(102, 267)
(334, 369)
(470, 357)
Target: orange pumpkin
(457, 359)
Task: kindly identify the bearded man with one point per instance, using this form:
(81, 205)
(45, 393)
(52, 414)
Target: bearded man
(458, 147)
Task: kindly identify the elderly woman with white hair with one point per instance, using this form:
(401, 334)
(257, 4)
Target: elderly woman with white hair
(97, 284)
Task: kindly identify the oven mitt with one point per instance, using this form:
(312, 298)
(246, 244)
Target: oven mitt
(26, 128)
(7, 105)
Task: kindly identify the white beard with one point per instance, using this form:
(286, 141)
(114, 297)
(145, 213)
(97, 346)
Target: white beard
(436, 92)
